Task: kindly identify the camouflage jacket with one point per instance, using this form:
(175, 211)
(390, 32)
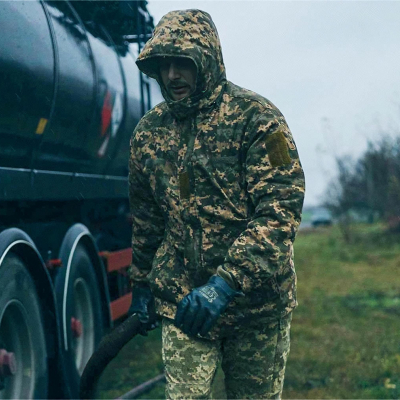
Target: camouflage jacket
(216, 184)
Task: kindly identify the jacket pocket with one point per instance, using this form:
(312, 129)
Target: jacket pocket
(162, 174)
(276, 289)
(194, 256)
(228, 177)
(227, 169)
(160, 260)
(168, 279)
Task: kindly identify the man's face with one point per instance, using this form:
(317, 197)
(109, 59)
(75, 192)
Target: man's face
(178, 75)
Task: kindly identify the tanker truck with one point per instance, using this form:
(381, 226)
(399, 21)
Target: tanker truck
(71, 96)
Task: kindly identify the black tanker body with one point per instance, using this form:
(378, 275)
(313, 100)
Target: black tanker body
(70, 97)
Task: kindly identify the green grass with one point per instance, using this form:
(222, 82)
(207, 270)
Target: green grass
(139, 361)
(345, 332)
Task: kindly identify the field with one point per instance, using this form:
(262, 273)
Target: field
(345, 332)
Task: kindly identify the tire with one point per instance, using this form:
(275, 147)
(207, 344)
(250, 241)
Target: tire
(82, 304)
(22, 332)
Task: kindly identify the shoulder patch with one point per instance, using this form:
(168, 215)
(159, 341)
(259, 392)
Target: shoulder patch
(277, 148)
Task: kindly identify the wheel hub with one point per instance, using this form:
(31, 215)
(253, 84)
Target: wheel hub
(76, 327)
(8, 365)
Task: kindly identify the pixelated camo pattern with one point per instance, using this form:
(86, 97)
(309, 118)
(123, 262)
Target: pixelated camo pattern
(221, 185)
(253, 361)
(192, 34)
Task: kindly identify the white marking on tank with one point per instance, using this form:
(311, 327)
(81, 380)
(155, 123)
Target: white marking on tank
(103, 147)
(116, 116)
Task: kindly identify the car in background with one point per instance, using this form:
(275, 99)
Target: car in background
(321, 217)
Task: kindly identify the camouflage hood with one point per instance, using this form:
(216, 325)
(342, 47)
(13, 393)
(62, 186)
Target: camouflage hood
(192, 34)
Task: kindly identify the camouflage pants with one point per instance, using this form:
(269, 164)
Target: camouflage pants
(253, 361)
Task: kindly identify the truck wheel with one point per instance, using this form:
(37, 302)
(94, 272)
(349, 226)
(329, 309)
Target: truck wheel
(23, 354)
(84, 326)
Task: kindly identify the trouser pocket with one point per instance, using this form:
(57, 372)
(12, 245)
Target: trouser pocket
(190, 363)
(254, 360)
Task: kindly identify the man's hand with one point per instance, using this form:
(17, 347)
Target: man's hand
(143, 306)
(200, 309)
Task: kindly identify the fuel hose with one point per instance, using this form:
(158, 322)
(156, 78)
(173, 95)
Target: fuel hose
(108, 349)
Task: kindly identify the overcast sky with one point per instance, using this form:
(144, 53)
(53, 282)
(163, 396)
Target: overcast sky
(331, 67)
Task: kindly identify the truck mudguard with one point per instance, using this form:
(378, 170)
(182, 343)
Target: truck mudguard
(78, 233)
(16, 241)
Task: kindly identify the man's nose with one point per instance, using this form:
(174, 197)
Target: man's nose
(173, 72)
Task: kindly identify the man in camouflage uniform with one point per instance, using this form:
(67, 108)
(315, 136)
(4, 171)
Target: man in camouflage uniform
(216, 192)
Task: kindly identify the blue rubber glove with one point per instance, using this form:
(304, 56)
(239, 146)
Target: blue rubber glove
(198, 312)
(143, 306)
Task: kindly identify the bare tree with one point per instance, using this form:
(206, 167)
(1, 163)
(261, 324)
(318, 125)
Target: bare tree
(369, 186)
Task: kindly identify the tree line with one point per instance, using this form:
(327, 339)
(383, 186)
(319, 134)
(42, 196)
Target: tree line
(368, 186)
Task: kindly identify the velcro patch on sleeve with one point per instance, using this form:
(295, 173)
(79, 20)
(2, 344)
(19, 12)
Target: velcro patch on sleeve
(184, 185)
(277, 148)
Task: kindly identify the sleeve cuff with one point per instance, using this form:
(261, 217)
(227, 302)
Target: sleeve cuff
(221, 272)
